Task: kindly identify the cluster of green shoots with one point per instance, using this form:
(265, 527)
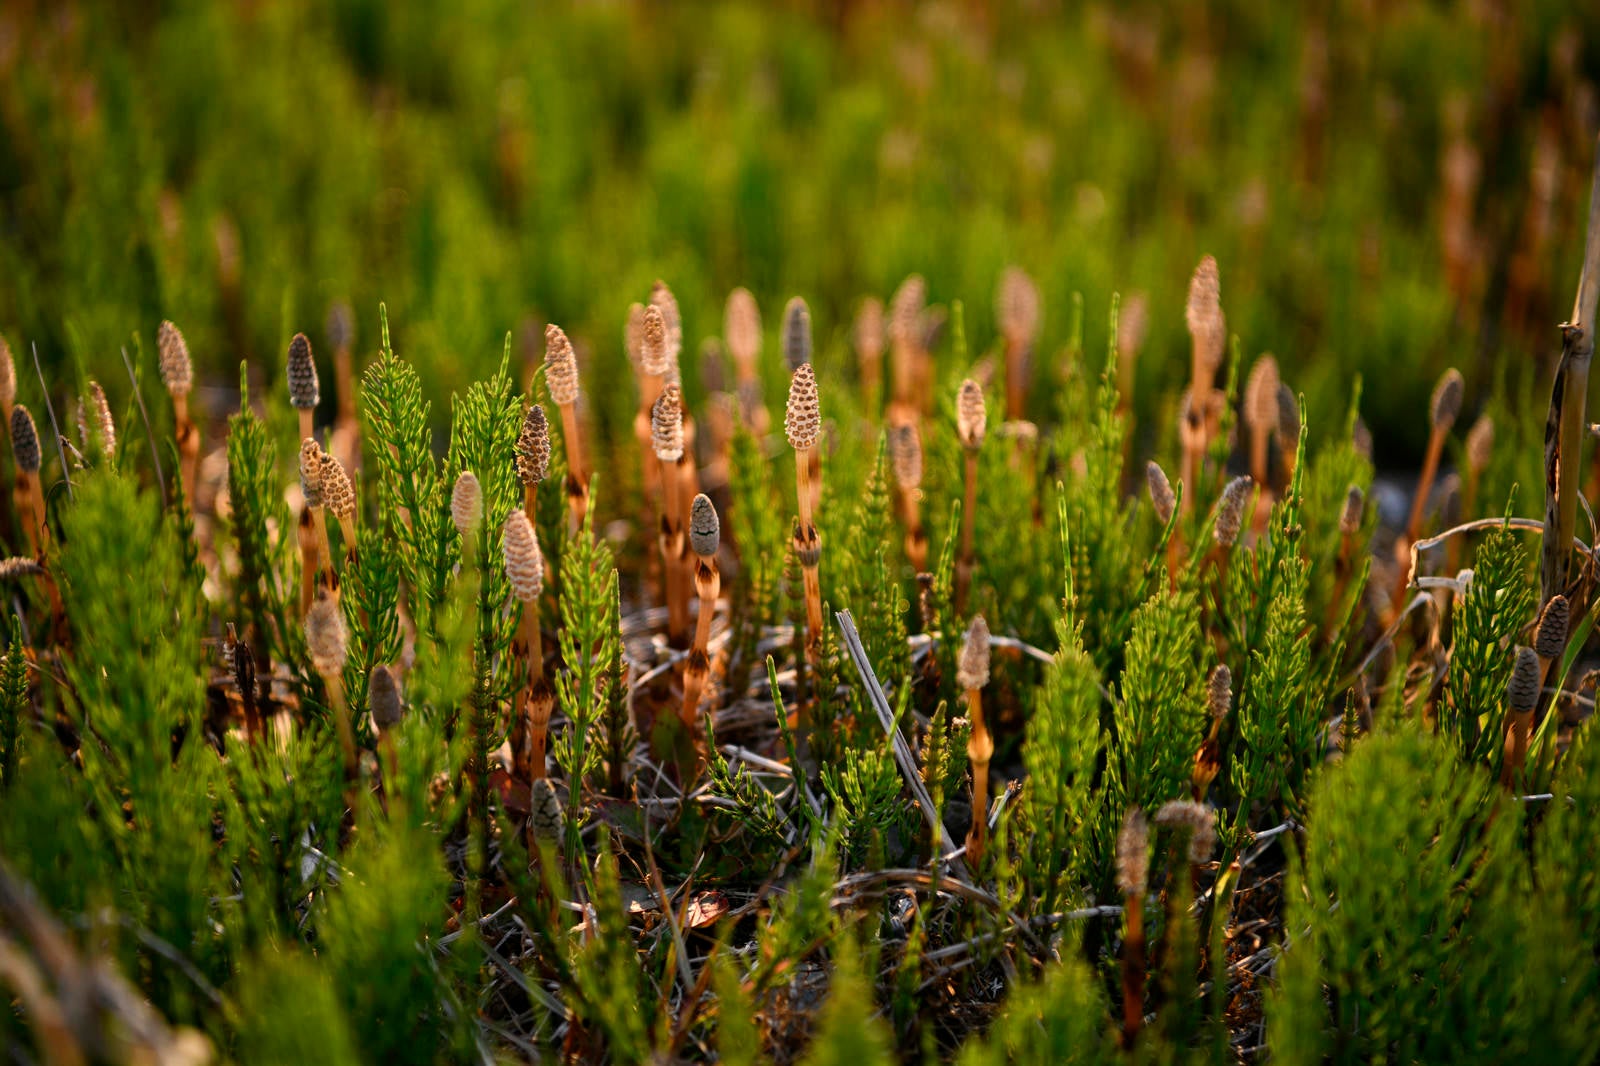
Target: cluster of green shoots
(921, 721)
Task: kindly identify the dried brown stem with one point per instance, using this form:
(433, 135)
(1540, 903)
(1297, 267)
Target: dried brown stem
(980, 749)
(969, 509)
(577, 475)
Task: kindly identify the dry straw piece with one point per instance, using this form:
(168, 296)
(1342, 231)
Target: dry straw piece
(560, 366)
(705, 529)
(466, 503)
(972, 669)
(383, 698)
(25, 440)
(177, 372)
(304, 390)
(533, 447)
(666, 424)
(524, 560)
(796, 333)
(802, 416)
(972, 416)
(1162, 498)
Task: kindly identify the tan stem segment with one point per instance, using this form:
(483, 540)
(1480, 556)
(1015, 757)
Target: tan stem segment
(188, 435)
(1133, 967)
(1430, 469)
(808, 546)
(708, 586)
(672, 541)
(980, 749)
(310, 559)
(320, 515)
(969, 517)
(306, 429)
(577, 476)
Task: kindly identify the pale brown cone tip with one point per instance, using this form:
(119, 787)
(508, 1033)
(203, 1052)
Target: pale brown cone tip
(1230, 510)
(25, 440)
(1550, 636)
(560, 367)
(325, 635)
(666, 424)
(524, 560)
(1261, 395)
(304, 390)
(533, 447)
(705, 529)
(466, 503)
(972, 669)
(1162, 498)
(1447, 396)
(1133, 853)
(1522, 690)
(1219, 691)
(972, 416)
(796, 334)
(1017, 305)
(338, 494)
(802, 417)
(177, 373)
(311, 472)
(383, 698)
(741, 327)
(653, 357)
(905, 455)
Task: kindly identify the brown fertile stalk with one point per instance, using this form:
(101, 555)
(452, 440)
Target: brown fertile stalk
(869, 350)
(1443, 410)
(1344, 562)
(339, 496)
(1208, 760)
(1550, 635)
(177, 373)
(533, 457)
(905, 339)
(666, 438)
(1479, 450)
(1208, 336)
(29, 492)
(534, 701)
(1017, 313)
(326, 642)
(1165, 501)
(304, 389)
(655, 366)
(905, 457)
(802, 424)
(346, 439)
(561, 378)
(1133, 868)
(972, 674)
(1261, 414)
(705, 532)
(972, 421)
(1568, 422)
(1522, 696)
(387, 709)
(1229, 521)
(797, 350)
(315, 551)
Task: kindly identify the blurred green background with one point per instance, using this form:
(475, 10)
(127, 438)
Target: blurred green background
(1390, 187)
